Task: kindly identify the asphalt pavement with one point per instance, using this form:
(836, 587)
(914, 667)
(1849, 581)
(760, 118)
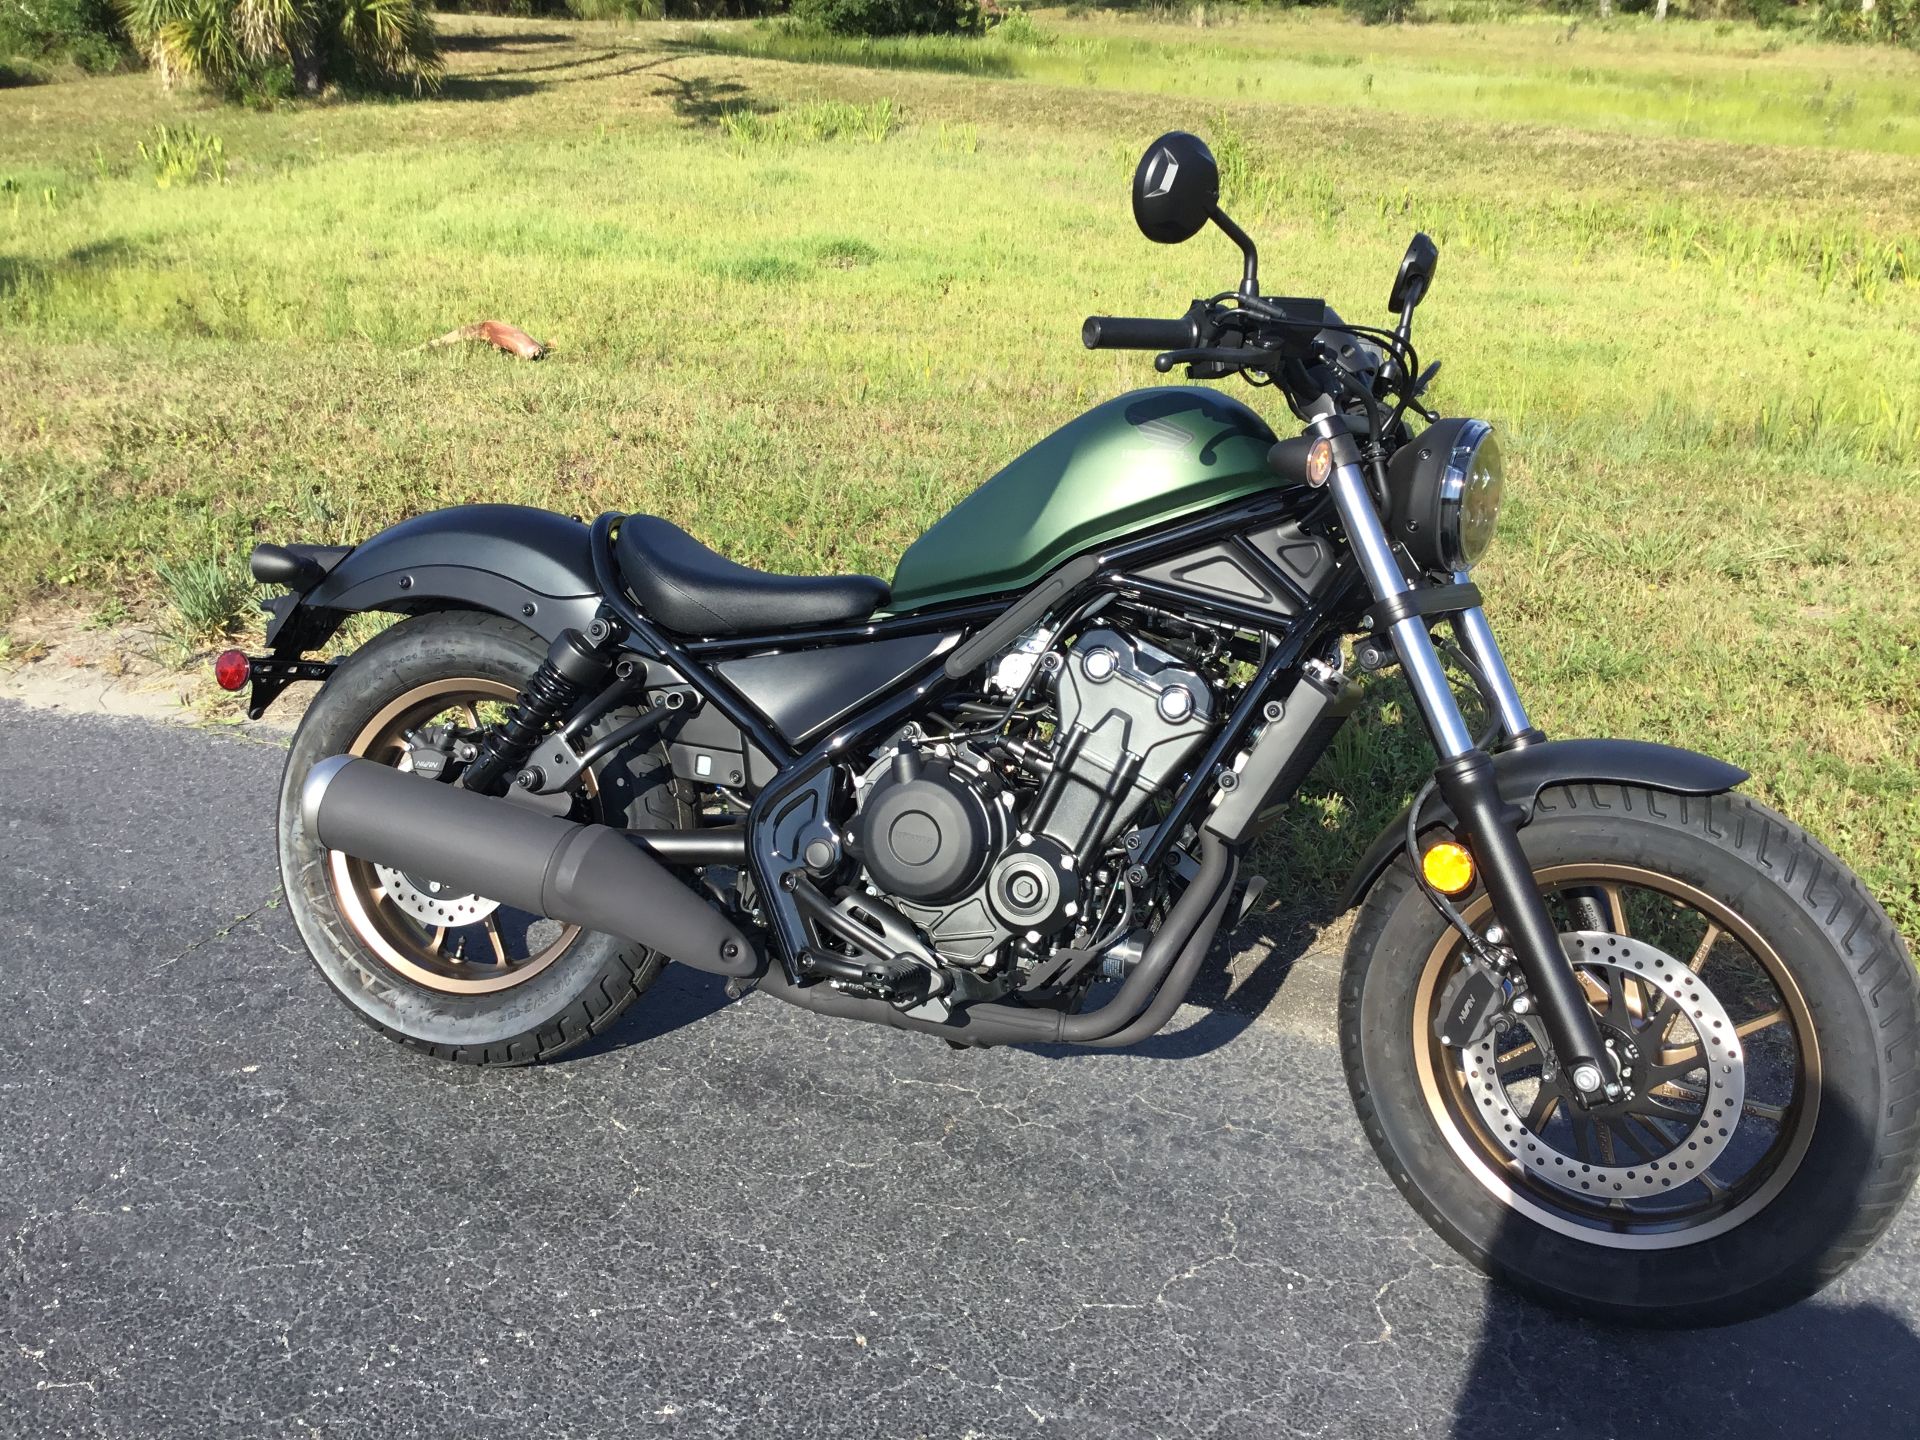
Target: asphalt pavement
(229, 1209)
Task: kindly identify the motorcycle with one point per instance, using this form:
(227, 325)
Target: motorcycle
(1628, 1039)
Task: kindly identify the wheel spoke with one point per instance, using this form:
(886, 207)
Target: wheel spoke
(1649, 1105)
(1705, 947)
(473, 714)
(1760, 1022)
(1658, 1129)
(499, 945)
(1616, 909)
(1660, 1015)
(439, 938)
(1675, 1063)
(1762, 1111)
(1579, 1124)
(1518, 1055)
(1678, 1090)
(1544, 1104)
(1617, 997)
(1624, 1131)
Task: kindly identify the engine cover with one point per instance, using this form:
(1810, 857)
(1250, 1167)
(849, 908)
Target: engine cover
(925, 832)
(1130, 714)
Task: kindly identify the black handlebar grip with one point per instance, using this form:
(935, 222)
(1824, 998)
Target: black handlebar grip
(1127, 332)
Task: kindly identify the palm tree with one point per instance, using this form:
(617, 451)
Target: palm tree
(223, 42)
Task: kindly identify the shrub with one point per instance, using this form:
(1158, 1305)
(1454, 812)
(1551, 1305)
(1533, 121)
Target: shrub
(1016, 27)
(246, 47)
(209, 597)
(889, 17)
(1378, 12)
(86, 33)
(183, 156)
(1895, 22)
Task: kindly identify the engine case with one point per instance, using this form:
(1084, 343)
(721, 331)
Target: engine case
(927, 829)
(1130, 715)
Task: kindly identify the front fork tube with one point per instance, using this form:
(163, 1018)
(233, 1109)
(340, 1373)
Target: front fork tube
(1476, 638)
(1466, 780)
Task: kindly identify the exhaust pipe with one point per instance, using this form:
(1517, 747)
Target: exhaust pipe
(587, 875)
(1153, 989)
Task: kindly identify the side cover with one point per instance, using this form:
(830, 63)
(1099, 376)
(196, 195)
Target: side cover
(1138, 460)
(532, 565)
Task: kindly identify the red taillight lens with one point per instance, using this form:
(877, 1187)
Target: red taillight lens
(232, 669)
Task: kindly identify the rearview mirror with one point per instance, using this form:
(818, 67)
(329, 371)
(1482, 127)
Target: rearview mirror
(1176, 188)
(1416, 274)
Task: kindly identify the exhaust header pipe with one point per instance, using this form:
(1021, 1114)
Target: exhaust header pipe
(587, 875)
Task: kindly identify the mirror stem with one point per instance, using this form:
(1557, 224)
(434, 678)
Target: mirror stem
(1250, 275)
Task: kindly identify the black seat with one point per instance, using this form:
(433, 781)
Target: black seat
(686, 587)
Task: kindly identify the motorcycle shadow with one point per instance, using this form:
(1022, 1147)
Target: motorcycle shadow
(680, 997)
(1822, 1367)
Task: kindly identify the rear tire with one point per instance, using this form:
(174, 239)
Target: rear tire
(1826, 1179)
(582, 983)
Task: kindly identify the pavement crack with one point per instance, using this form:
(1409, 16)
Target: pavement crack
(221, 932)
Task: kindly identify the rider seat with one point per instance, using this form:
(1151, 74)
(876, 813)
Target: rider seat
(690, 589)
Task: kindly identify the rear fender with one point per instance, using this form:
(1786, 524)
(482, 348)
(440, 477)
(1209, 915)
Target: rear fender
(1522, 774)
(530, 565)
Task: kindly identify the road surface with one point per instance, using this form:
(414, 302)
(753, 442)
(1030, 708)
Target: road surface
(228, 1209)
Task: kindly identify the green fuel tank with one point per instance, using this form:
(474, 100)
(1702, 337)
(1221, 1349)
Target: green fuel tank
(1138, 460)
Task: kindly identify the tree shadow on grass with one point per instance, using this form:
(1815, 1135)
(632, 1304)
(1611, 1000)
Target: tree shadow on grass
(18, 274)
(966, 56)
(702, 100)
(488, 87)
(509, 82)
(486, 40)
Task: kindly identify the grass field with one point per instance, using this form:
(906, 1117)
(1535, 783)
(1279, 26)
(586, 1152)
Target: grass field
(805, 295)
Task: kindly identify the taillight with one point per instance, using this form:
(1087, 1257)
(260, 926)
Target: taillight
(232, 669)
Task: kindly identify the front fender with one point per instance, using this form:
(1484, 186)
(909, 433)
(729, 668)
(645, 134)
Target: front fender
(1522, 774)
(528, 564)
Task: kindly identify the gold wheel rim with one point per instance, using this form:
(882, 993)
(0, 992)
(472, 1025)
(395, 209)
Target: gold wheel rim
(1442, 1082)
(396, 939)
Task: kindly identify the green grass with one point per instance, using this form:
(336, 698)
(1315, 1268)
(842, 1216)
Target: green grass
(807, 333)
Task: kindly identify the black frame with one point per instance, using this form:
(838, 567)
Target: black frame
(1288, 640)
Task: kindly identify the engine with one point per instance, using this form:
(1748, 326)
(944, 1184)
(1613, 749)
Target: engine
(991, 844)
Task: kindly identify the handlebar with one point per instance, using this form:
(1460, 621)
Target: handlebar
(1129, 332)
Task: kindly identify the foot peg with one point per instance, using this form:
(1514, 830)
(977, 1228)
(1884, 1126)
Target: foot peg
(902, 982)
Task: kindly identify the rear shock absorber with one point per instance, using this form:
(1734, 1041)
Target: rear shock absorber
(576, 663)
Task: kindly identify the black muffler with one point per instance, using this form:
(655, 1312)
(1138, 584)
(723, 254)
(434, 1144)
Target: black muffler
(586, 875)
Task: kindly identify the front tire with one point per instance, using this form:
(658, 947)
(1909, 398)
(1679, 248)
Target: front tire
(1772, 1013)
(459, 980)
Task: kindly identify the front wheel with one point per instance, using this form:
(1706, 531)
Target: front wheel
(1764, 1012)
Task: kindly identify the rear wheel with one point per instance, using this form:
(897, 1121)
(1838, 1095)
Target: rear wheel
(457, 975)
(1763, 1011)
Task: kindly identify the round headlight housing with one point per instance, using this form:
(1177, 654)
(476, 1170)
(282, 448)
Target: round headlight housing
(1445, 487)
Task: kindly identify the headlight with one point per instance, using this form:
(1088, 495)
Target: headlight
(1446, 488)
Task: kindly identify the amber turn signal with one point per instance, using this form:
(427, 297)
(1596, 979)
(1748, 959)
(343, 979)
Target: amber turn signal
(1448, 868)
(232, 669)
(1319, 463)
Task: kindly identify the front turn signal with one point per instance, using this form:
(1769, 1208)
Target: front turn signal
(1319, 463)
(1448, 868)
